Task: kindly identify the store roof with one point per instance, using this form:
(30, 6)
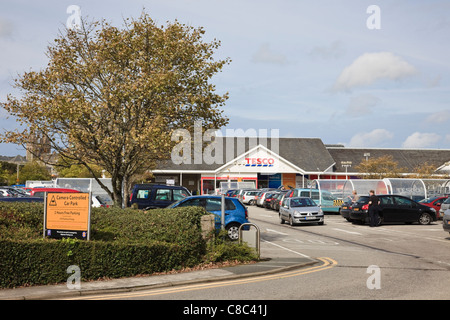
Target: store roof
(308, 154)
(406, 158)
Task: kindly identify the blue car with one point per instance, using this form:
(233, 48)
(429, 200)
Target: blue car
(235, 212)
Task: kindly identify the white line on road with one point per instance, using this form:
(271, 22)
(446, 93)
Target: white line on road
(352, 232)
(277, 245)
(275, 231)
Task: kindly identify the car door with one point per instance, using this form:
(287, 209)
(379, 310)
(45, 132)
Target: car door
(162, 197)
(406, 210)
(387, 209)
(284, 209)
(214, 205)
(143, 198)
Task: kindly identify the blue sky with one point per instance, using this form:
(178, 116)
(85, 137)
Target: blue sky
(307, 68)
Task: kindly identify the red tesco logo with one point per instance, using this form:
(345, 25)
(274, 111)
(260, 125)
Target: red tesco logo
(259, 162)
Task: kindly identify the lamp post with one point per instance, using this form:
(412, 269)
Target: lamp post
(346, 165)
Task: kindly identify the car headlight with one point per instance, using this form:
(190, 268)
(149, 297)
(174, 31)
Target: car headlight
(433, 210)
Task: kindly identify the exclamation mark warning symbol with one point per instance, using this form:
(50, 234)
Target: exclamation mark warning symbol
(53, 201)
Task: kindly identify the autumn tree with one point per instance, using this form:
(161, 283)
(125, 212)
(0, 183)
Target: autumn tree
(111, 97)
(380, 168)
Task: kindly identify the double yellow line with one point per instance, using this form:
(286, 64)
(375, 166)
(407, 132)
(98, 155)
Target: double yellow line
(327, 263)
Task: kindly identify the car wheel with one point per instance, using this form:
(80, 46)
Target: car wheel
(233, 231)
(291, 221)
(425, 218)
(281, 219)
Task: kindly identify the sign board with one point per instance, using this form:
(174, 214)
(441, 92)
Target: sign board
(67, 215)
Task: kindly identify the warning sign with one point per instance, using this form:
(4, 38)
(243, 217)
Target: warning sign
(67, 215)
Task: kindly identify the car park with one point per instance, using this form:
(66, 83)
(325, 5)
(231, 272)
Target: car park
(393, 208)
(235, 212)
(152, 196)
(434, 202)
(298, 210)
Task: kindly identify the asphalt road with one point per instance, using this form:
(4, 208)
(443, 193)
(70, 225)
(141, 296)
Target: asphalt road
(394, 262)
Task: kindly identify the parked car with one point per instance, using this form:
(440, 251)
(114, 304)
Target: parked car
(152, 196)
(100, 201)
(235, 212)
(240, 192)
(275, 200)
(446, 220)
(22, 199)
(249, 197)
(7, 192)
(444, 206)
(434, 202)
(323, 198)
(299, 210)
(268, 200)
(262, 196)
(394, 208)
(40, 192)
(345, 209)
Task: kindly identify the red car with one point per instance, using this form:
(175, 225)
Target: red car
(434, 202)
(39, 192)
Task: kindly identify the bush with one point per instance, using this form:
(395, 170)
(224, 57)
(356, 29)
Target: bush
(124, 242)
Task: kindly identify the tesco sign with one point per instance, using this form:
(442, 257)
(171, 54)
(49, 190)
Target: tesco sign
(259, 162)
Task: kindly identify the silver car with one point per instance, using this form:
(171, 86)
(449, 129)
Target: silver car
(446, 220)
(300, 210)
(444, 206)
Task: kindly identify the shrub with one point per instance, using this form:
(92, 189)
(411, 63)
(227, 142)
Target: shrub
(124, 242)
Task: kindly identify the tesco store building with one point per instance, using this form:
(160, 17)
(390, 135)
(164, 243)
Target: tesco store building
(246, 162)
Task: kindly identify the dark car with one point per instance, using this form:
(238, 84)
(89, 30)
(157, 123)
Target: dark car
(235, 212)
(394, 208)
(152, 196)
(22, 199)
(267, 200)
(345, 209)
(275, 200)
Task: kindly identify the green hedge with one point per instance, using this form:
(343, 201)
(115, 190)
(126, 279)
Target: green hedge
(124, 242)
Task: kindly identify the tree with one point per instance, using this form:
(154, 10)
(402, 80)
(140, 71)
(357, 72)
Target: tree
(112, 97)
(34, 171)
(380, 168)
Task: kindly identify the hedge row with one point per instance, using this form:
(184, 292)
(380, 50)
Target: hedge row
(123, 243)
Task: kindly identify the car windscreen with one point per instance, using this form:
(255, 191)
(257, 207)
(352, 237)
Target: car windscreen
(363, 200)
(305, 202)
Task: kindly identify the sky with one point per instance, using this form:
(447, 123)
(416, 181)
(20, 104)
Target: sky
(352, 72)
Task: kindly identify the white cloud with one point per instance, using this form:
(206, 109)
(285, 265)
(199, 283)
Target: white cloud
(375, 138)
(266, 55)
(370, 67)
(439, 117)
(421, 140)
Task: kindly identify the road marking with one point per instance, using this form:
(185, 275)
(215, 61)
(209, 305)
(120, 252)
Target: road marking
(351, 232)
(275, 231)
(287, 249)
(327, 263)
